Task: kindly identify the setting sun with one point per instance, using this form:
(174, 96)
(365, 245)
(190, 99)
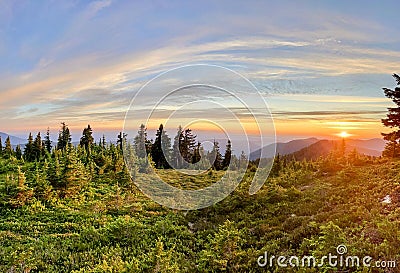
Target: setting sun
(343, 134)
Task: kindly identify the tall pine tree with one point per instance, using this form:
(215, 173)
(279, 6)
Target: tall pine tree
(196, 154)
(64, 137)
(74, 173)
(243, 162)
(161, 149)
(392, 148)
(187, 146)
(228, 155)
(1, 147)
(38, 148)
(176, 153)
(216, 156)
(121, 140)
(87, 139)
(54, 175)
(29, 154)
(140, 142)
(18, 152)
(8, 150)
(47, 141)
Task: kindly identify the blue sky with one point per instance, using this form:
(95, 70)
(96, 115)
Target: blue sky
(320, 64)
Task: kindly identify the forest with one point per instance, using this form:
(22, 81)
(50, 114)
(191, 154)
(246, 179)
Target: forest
(76, 209)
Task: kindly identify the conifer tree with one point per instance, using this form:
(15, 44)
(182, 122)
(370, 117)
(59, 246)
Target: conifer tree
(196, 154)
(87, 139)
(161, 148)
(216, 156)
(37, 147)
(18, 152)
(28, 151)
(103, 142)
(91, 170)
(392, 148)
(8, 150)
(243, 160)
(54, 175)
(234, 165)
(121, 140)
(276, 166)
(176, 153)
(133, 162)
(41, 187)
(187, 144)
(228, 155)
(24, 193)
(1, 147)
(140, 142)
(47, 141)
(166, 148)
(149, 145)
(64, 137)
(74, 173)
(203, 163)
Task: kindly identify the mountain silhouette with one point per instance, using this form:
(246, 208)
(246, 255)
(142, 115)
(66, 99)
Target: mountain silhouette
(14, 140)
(282, 148)
(312, 148)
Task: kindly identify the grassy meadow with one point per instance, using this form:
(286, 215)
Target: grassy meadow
(303, 208)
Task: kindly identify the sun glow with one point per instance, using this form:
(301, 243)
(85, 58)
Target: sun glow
(343, 134)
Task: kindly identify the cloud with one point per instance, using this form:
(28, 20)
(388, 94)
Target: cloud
(97, 6)
(100, 58)
(324, 113)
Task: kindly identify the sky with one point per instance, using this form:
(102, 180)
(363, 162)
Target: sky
(319, 65)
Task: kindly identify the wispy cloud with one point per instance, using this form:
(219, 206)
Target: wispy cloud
(103, 51)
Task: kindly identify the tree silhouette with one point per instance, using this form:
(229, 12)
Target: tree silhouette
(18, 152)
(140, 142)
(176, 153)
(243, 161)
(215, 157)
(196, 153)
(1, 147)
(28, 151)
(120, 140)
(8, 150)
(228, 155)
(87, 139)
(187, 145)
(64, 137)
(392, 121)
(161, 149)
(38, 148)
(47, 141)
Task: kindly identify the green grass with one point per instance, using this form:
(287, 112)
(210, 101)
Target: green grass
(189, 179)
(303, 210)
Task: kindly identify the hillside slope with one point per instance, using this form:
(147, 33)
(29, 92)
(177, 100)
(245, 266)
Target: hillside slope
(14, 140)
(323, 147)
(283, 148)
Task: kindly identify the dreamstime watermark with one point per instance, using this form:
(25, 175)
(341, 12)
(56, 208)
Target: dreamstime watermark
(340, 259)
(207, 97)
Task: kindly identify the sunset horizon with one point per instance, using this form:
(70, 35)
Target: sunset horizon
(317, 82)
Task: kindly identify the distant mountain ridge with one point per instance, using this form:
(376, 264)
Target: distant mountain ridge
(312, 148)
(324, 147)
(283, 148)
(14, 140)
